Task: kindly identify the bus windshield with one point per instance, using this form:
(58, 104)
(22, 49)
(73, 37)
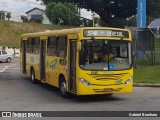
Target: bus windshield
(105, 55)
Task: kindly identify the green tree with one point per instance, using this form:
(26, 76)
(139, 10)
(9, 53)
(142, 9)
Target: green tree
(108, 10)
(8, 16)
(62, 13)
(132, 21)
(97, 21)
(86, 22)
(114, 12)
(153, 10)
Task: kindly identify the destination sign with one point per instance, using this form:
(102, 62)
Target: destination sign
(106, 33)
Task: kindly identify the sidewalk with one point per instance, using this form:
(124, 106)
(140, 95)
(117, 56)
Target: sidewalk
(146, 84)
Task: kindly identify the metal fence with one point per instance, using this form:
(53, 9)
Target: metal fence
(146, 48)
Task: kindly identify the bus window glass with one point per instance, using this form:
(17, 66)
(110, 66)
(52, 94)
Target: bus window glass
(33, 45)
(29, 49)
(62, 46)
(105, 55)
(29, 45)
(36, 42)
(51, 46)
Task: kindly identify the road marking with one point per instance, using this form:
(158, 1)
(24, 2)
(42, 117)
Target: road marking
(6, 67)
(15, 68)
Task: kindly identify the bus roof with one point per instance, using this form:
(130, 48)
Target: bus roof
(69, 31)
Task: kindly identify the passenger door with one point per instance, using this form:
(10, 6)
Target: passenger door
(43, 61)
(72, 66)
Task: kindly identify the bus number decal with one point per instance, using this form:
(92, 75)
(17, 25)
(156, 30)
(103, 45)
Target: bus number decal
(94, 72)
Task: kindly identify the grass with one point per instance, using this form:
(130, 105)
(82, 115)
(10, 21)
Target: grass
(10, 31)
(145, 61)
(157, 43)
(150, 74)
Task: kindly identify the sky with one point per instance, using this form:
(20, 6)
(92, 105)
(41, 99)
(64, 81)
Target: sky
(19, 6)
(22, 6)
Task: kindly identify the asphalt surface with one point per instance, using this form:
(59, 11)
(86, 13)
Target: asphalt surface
(17, 93)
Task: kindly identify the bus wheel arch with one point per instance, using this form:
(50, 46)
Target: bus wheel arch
(32, 75)
(63, 86)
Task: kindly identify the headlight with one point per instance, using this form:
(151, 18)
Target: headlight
(85, 82)
(128, 81)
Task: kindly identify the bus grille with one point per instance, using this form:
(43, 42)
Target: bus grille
(107, 77)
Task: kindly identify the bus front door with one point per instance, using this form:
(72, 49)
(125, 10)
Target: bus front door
(43, 61)
(72, 66)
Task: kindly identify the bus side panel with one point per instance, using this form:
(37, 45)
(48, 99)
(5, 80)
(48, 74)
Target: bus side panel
(36, 65)
(33, 61)
(52, 71)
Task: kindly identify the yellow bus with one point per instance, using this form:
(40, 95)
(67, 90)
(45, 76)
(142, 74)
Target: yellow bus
(81, 61)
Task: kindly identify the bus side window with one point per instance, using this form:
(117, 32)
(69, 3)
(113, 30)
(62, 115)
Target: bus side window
(51, 46)
(29, 45)
(33, 45)
(62, 46)
(36, 44)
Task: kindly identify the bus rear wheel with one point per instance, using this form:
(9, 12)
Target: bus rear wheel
(33, 76)
(63, 88)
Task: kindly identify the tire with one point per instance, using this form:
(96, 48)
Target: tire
(63, 88)
(8, 60)
(34, 81)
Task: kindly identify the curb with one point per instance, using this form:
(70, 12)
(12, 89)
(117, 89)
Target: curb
(146, 85)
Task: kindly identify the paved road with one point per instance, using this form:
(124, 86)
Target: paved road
(17, 93)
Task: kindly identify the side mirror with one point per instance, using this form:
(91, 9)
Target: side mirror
(79, 46)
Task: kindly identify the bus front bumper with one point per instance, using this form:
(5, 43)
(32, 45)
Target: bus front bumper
(108, 89)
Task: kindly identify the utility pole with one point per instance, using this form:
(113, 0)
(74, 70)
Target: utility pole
(93, 19)
(79, 11)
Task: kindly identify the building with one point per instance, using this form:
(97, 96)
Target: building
(36, 13)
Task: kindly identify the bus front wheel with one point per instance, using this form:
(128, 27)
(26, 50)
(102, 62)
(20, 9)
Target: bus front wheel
(63, 88)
